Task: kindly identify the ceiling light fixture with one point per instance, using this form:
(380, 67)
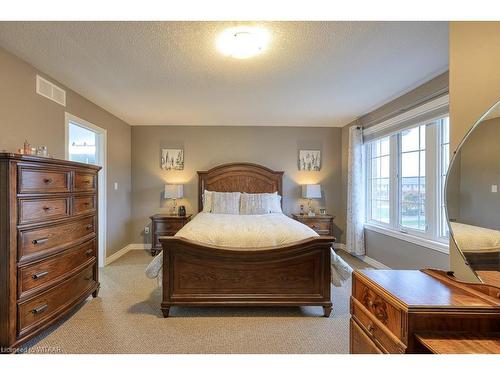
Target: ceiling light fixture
(243, 42)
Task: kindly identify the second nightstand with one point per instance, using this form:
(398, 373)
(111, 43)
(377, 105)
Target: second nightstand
(321, 224)
(165, 225)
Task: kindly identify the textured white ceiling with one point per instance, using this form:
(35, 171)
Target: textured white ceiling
(170, 73)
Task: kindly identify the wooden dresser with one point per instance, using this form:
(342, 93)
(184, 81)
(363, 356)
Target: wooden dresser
(321, 224)
(48, 242)
(165, 225)
(413, 311)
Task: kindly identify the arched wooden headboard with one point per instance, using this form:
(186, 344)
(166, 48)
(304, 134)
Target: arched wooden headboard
(242, 177)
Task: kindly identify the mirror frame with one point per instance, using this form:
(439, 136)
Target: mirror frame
(452, 160)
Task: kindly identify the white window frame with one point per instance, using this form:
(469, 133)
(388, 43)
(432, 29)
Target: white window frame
(431, 237)
(101, 160)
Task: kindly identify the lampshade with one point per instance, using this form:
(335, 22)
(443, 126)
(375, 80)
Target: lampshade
(311, 191)
(174, 191)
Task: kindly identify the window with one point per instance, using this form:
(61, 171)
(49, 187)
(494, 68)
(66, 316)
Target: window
(82, 144)
(405, 175)
(444, 162)
(378, 178)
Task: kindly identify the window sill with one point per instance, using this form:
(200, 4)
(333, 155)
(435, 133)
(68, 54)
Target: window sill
(425, 242)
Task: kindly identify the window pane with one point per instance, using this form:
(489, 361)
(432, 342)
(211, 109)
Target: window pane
(384, 166)
(412, 182)
(443, 170)
(378, 180)
(410, 164)
(384, 146)
(82, 144)
(410, 140)
(422, 137)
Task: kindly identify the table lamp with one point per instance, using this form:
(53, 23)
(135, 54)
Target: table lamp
(311, 191)
(174, 191)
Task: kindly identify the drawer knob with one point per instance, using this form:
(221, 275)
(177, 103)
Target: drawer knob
(40, 241)
(39, 275)
(47, 208)
(48, 181)
(86, 204)
(89, 226)
(89, 252)
(40, 309)
(370, 328)
(88, 278)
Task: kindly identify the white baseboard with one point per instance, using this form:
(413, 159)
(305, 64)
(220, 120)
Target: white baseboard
(125, 250)
(141, 246)
(374, 263)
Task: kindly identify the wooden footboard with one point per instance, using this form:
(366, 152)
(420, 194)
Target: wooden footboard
(293, 275)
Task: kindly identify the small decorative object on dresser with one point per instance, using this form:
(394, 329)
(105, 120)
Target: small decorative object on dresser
(427, 311)
(48, 242)
(165, 225)
(321, 224)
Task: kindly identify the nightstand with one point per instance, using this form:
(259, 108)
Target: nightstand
(165, 225)
(321, 224)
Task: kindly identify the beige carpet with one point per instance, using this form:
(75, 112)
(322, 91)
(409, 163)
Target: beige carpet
(126, 318)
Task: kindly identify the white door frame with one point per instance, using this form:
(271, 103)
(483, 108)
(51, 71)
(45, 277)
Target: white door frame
(101, 160)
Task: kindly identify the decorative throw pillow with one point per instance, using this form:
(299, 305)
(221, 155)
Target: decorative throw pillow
(225, 203)
(207, 201)
(275, 203)
(255, 204)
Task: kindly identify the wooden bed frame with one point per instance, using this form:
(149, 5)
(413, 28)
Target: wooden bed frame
(196, 274)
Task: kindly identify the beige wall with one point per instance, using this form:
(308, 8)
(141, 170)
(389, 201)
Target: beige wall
(479, 169)
(27, 115)
(206, 147)
(388, 250)
(474, 86)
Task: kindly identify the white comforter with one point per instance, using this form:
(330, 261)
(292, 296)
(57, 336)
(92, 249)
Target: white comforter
(248, 232)
(471, 238)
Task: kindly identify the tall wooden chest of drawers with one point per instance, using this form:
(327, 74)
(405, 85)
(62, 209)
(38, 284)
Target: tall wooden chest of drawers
(48, 242)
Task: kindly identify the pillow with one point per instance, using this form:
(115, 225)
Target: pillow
(275, 203)
(255, 204)
(225, 203)
(207, 201)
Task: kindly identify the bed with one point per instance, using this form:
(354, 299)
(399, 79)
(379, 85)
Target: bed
(245, 260)
(481, 246)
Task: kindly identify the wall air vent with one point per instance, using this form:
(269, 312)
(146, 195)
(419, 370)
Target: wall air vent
(50, 91)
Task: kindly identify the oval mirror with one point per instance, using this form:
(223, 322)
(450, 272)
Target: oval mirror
(473, 197)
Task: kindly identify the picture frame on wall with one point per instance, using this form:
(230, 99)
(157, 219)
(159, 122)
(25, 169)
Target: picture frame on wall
(172, 159)
(309, 160)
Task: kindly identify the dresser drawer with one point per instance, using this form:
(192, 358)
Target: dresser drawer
(318, 225)
(379, 308)
(360, 343)
(84, 204)
(36, 210)
(40, 180)
(45, 273)
(169, 226)
(38, 309)
(85, 181)
(39, 241)
(375, 330)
